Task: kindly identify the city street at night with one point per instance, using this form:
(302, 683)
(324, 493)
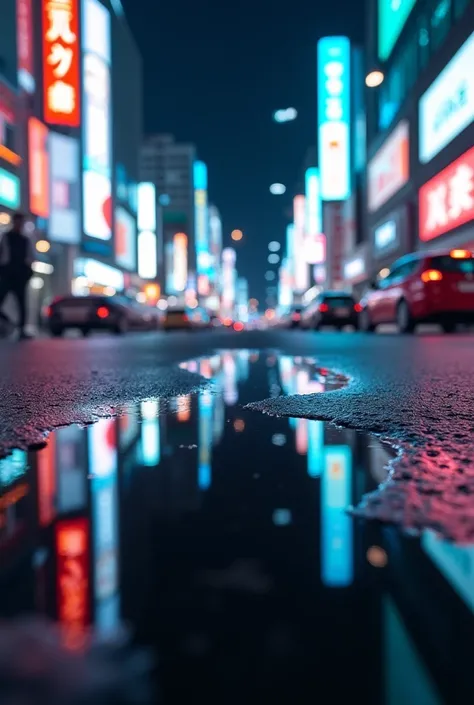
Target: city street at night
(223, 536)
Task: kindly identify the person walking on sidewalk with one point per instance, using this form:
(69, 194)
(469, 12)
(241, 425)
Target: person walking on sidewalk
(16, 259)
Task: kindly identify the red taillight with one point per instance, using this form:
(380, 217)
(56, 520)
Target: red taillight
(49, 311)
(431, 275)
(323, 308)
(238, 326)
(103, 312)
(296, 316)
(357, 308)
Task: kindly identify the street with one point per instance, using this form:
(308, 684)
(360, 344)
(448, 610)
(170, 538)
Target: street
(207, 507)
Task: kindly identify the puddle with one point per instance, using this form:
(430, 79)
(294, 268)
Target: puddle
(221, 537)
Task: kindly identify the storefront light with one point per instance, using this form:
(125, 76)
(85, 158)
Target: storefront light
(43, 246)
(5, 219)
(42, 268)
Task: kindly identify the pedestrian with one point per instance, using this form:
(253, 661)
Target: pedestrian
(16, 259)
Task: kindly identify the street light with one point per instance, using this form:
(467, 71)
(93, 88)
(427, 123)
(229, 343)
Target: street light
(285, 115)
(236, 235)
(374, 78)
(277, 189)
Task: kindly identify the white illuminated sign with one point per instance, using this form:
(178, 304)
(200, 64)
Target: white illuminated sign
(389, 169)
(180, 261)
(146, 216)
(125, 239)
(99, 273)
(354, 268)
(385, 235)
(447, 107)
(334, 117)
(97, 205)
(147, 255)
(64, 222)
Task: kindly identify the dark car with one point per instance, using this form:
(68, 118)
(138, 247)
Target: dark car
(331, 308)
(116, 314)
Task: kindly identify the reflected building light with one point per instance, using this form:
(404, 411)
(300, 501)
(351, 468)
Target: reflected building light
(279, 439)
(454, 562)
(377, 557)
(301, 439)
(205, 405)
(282, 517)
(72, 547)
(150, 443)
(205, 369)
(302, 380)
(150, 409)
(277, 189)
(243, 365)
(336, 531)
(239, 425)
(231, 395)
(184, 408)
(315, 448)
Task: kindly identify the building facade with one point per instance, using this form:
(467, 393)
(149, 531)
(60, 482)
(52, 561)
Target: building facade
(420, 124)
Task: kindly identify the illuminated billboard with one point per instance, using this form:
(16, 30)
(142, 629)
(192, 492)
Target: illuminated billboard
(125, 239)
(64, 224)
(315, 241)
(447, 200)
(97, 136)
(38, 166)
(334, 57)
(147, 255)
(180, 261)
(389, 168)
(9, 189)
(300, 265)
(24, 40)
(61, 55)
(447, 107)
(146, 216)
(201, 224)
(392, 17)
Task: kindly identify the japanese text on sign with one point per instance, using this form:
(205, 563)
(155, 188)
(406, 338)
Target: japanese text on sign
(447, 200)
(61, 62)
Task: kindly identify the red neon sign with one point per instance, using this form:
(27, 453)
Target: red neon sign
(447, 200)
(72, 552)
(61, 55)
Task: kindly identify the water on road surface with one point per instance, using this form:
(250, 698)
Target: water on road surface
(221, 537)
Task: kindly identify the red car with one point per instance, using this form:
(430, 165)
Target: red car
(423, 287)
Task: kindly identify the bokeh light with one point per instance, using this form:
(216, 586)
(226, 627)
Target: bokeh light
(277, 189)
(236, 235)
(274, 246)
(273, 259)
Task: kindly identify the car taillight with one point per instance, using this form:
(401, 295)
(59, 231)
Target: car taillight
(460, 254)
(49, 311)
(323, 308)
(103, 312)
(431, 275)
(357, 308)
(296, 316)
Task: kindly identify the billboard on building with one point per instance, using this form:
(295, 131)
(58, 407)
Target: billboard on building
(97, 133)
(447, 107)
(9, 189)
(392, 16)
(38, 167)
(146, 216)
(389, 169)
(180, 261)
(61, 56)
(64, 223)
(125, 239)
(334, 66)
(201, 220)
(315, 241)
(447, 200)
(147, 254)
(25, 49)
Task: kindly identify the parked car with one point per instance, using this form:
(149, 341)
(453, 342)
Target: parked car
(289, 319)
(423, 287)
(117, 314)
(331, 308)
(177, 319)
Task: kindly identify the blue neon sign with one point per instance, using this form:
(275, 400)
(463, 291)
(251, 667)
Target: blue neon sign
(334, 63)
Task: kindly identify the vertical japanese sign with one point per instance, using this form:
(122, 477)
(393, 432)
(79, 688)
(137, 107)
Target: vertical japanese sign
(334, 61)
(61, 85)
(447, 200)
(97, 133)
(315, 241)
(301, 269)
(24, 38)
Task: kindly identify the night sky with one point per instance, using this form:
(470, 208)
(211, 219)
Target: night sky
(213, 74)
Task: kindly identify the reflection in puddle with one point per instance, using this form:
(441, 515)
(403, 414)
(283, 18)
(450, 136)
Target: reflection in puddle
(222, 537)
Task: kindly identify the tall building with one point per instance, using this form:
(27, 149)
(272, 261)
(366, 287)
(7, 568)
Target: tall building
(420, 120)
(169, 165)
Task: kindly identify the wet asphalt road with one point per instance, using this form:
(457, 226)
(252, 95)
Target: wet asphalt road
(221, 535)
